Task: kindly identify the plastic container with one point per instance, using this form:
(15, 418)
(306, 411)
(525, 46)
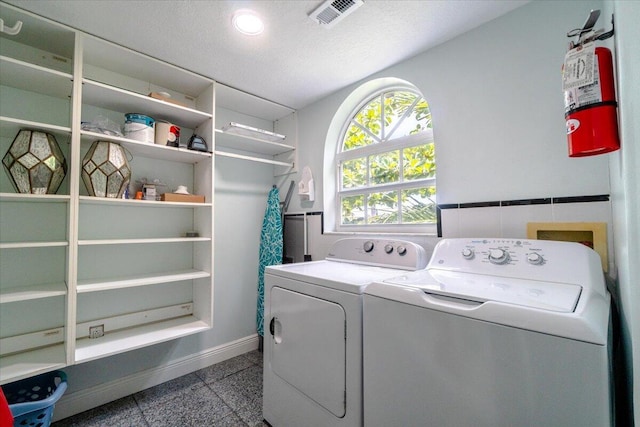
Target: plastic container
(167, 134)
(139, 127)
(31, 400)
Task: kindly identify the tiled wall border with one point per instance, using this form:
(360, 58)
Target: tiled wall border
(302, 214)
(519, 202)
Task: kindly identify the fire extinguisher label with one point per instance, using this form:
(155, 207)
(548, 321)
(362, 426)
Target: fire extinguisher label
(572, 125)
(579, 66)
(585, 95)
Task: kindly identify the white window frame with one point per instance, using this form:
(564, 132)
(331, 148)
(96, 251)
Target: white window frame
(424, 137)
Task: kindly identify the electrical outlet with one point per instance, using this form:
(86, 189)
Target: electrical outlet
(96, 331)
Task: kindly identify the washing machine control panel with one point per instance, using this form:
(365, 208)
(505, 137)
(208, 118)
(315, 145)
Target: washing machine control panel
(392, 253)
(525, 258)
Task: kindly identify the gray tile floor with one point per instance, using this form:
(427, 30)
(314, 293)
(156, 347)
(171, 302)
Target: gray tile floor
(225, 394)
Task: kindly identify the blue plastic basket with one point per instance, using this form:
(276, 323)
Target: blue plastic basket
(31, 400)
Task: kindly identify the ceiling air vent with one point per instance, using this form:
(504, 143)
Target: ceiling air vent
(332, 11)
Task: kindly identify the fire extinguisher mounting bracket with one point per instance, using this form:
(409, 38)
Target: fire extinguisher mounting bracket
(587, 34)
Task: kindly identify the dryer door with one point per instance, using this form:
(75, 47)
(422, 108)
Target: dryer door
(309, 346)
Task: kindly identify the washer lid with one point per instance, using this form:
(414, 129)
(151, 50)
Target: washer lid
(559, 297)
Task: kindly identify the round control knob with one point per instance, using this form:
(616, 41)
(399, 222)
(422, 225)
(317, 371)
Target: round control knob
(388, 248)
(368, 246)
(467, 253)
(402, 250)
(498, 256)
(535, 258)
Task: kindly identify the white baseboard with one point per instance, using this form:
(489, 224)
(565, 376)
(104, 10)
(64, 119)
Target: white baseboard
(83, 400)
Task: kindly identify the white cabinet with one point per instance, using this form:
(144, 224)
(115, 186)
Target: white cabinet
(84, 277)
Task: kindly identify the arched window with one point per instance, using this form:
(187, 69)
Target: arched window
(385, 164)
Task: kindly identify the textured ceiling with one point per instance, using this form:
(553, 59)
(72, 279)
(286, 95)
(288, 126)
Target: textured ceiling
(295, 61)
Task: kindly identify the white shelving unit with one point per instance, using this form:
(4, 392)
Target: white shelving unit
(125, 247)
(34, 232)
(74, 266)
(237, 106)
(84, 277)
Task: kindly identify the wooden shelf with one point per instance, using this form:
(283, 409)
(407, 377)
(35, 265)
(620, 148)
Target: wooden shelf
(90, 200)
(247, 143)
(9, 126)
(137, 337)
(116, 99)
(23, 245)
(26, 364)
(252, 158)
(34, 78)
(139, 280)
(24, 293)
(155, 151)
(251, 145)
(34, 198)
(142, 241)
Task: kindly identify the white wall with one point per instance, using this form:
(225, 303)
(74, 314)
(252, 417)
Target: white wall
(625, 185)
(497, 104)
(497, 107)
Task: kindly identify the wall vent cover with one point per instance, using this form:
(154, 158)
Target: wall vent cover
(331, 12)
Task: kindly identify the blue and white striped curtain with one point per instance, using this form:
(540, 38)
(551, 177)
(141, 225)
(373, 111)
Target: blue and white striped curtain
(270, 248)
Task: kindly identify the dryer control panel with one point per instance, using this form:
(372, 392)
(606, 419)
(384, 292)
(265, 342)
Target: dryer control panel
(400, 254)
(545, 260)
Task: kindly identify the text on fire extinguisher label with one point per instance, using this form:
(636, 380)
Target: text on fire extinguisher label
(578, 69)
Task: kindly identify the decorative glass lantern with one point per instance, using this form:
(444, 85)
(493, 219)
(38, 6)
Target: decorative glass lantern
(105, 170)
(35, 163)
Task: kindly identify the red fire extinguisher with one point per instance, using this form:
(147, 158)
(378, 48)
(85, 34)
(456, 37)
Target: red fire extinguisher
(590, 99)
(590, 112)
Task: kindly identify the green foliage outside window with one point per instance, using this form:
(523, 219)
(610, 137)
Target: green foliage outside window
(386, 117)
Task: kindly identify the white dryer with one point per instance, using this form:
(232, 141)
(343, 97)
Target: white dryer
(313, 331)
(495, 332)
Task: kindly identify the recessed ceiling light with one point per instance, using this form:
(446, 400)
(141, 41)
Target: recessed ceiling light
(248, 22)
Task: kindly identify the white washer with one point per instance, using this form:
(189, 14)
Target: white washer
(495, 332)
(313, 331)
